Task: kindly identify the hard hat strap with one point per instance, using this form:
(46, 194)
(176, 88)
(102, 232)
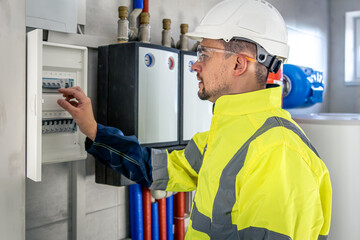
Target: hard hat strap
(271, 62)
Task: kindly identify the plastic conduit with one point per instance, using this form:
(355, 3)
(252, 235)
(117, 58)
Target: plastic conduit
(169, 217)
(147, 213)
(179, 214)
(146, 6)
(162, 218)
(138, 4)
(136, 212)
(154, 221)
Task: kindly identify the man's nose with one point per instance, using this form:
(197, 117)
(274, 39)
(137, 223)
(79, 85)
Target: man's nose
(196, 67)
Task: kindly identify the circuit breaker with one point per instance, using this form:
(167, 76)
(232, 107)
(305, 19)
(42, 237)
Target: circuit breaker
(196, 114)
(52, 134)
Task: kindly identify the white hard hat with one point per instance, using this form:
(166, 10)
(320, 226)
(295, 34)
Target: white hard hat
(256, 21)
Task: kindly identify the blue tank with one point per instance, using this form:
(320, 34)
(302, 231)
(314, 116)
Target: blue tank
(303, 86)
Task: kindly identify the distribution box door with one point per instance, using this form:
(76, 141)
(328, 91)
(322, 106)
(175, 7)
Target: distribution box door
(52, 135)
(196, 113)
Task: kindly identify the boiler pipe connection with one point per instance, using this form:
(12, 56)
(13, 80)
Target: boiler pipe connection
(133, 29)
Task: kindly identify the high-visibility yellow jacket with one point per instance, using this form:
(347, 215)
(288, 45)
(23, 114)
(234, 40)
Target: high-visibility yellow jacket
(255, 173)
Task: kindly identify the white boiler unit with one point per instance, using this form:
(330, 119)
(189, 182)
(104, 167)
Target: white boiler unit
(196, 113)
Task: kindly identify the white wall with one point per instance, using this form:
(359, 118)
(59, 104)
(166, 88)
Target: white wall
(12, 119)
(345, 99)
(308, 23)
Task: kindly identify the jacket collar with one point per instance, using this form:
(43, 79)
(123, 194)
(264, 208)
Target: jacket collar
(250, 102)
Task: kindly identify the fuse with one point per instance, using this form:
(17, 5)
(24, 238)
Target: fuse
(52, 84)
(58, 126)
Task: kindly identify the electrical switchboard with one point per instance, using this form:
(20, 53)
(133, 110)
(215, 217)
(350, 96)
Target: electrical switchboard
(52, 134)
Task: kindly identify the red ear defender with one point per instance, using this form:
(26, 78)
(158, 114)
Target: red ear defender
(276, 78)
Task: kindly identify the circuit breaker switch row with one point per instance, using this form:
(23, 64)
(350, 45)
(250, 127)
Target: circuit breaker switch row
(58, 126)
(52, 84)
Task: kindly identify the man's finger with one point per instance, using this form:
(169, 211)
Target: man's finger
(75, 92)
(73, 103)
(68, 98)
(77, 88)
(67, 106)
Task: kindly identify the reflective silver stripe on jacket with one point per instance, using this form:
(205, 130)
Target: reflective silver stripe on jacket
(322, 237)
(200, 222)
(221, 226)
(260, 234)
(160, 172)
(159, 165)
(194, 156)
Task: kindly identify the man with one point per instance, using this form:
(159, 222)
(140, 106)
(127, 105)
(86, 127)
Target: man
(256, 174)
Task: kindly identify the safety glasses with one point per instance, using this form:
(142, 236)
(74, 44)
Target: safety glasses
(204, 53)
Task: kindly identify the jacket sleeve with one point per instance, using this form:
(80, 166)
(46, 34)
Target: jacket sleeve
(178, 171)
(122, 154)
(284, 194)
(154, 168)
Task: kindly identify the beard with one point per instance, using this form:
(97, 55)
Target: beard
(212, 94)
(203, 95)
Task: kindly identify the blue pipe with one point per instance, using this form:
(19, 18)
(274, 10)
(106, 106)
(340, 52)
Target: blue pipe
(136, 212)
(154, 221)
(138, 4)
(169, 217)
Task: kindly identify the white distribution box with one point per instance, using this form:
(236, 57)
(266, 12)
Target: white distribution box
(52, 135)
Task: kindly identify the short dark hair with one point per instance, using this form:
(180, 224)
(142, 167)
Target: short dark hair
(236, 46)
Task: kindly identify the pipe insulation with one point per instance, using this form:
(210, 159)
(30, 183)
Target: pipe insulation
(162, 218)
(147, 213)
(138, 4)
(179, 216)
(169, 217)
(146, 6)
(136, 212)
(154, 221)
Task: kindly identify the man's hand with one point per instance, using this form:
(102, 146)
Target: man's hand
(80, 110)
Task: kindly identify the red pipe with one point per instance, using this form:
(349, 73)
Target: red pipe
(147, 213)
(162, 218)
(179, 215)
(146, 6)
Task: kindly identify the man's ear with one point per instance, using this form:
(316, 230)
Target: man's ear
(240, 65)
